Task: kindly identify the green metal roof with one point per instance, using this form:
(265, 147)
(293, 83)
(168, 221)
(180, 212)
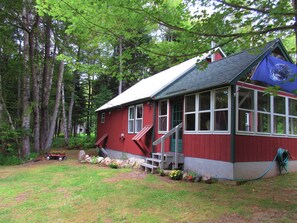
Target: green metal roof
(226, 71)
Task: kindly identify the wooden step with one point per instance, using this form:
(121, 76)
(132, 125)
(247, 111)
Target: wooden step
(165, 154)
(148, 167)
(153, 160)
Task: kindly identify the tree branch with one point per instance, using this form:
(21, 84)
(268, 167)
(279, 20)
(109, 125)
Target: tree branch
(264, 11)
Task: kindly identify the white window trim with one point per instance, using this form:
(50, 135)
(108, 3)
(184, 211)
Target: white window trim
(222, 109)
(167, 117)
(204, 111)
(212, 110)
(137, 119)
(290, 116)
(133, 120)
(102, 119)
(272, 115)
(191, 112)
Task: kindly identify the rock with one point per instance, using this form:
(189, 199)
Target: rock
(88, 159)
(81, 155)
(99, 159)
(166, 172)
(106, 161)
(198, 178)
(207, 179)
(119, 162)
(124, 163)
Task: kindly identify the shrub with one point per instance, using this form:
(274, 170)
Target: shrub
(9, 160)
(176, 174)
(161, 172)
(113, 165)
(79, 142)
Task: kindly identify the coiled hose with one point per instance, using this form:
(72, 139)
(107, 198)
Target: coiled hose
(282, 157)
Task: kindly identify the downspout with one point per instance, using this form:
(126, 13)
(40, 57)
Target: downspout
(233, 123)
(154, 126)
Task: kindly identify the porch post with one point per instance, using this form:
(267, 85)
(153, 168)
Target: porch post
(176, 147)
(162, 153)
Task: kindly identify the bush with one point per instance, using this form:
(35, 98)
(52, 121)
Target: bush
(113, 165)
(176, 174)
(79, 142)
(9, 160)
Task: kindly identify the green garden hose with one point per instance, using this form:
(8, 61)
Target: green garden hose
(282, 159)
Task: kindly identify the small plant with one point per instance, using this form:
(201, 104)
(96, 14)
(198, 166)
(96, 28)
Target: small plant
(94, 160)
(160, 172)
(176, 174)
(190, 176)
(113, 165)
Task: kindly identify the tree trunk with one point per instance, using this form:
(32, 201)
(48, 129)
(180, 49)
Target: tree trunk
(26, 85)
(71, 105)
(47, 78)
(121, 65)
(69, 127)
(36, 113)
(64, 120)
(56, 108)
(88, 127)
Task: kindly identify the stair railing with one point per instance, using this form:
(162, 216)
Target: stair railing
(162, 140)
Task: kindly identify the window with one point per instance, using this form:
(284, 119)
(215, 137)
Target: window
(138, 118)
(131, 115)
(279, 118)
(275, 115)
(135, 116)
(207, 111)
(292, 116)
(221, 110)
(190, 115)
(103, 117)
(263, 114)
(246, 110)
(163, 116)
(204, 111)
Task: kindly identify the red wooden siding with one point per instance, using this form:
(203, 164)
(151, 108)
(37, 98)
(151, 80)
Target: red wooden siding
(218, 56)
(215, 147)
(262, 148)
(116, 123)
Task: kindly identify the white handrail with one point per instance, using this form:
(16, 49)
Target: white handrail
(162, 140)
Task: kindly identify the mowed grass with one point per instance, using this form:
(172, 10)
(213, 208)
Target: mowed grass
(67, 191)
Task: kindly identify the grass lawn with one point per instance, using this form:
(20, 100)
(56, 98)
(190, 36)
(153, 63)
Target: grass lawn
(67, 191)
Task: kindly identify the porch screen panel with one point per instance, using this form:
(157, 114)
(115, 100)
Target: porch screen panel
(204, 112)
(263, 114)
(221, 110)
(292, 116)
(279, 118)
(190, 115)
(246, 110)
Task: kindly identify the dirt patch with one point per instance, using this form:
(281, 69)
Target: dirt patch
(135, 175)
(257, 215)
(22, 197)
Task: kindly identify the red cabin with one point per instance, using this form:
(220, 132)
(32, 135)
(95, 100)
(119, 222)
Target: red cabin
(223, 123)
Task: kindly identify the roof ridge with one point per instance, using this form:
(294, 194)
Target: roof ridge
(247, 50)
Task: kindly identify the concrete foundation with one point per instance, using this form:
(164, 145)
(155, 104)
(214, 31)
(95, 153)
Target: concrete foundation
(220, 169)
